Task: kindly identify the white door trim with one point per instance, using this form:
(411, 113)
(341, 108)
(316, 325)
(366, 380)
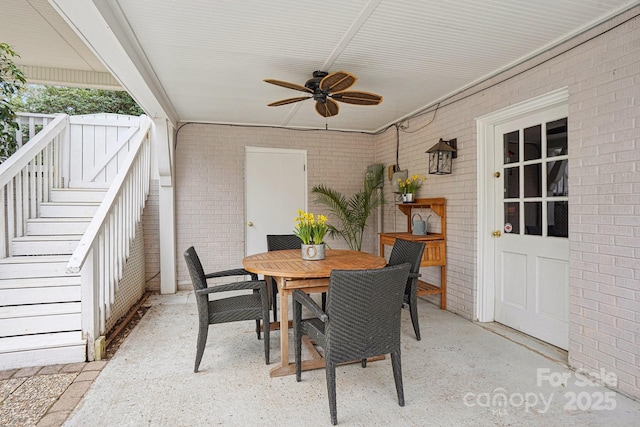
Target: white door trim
(485, 127)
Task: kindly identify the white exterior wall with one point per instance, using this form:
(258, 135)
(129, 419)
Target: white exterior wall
(210, 184)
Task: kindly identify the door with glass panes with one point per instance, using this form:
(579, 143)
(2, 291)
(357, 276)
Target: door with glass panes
(531, 225)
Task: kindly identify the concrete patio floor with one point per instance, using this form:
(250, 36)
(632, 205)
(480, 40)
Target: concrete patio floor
(460, 374)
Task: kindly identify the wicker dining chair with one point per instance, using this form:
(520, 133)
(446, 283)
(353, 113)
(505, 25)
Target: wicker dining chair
(362, 320)
(410, 252)
(280, 242)
(254, 306)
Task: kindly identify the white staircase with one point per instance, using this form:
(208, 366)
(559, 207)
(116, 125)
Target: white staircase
(41, 317)
(51, 307)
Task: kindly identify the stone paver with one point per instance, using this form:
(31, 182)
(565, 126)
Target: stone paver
(52, 369)
(44, 396)
(65, 403)
(96, 365)
(87, 376)
(26, 372)
(55, 419)
(5, 375)
(73, 367)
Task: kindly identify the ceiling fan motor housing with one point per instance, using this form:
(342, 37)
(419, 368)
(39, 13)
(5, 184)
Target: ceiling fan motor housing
(314, 84)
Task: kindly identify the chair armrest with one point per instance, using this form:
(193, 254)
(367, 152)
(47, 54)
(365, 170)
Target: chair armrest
(414, 275)
(308, 302)
(233, 272)
(237, 286)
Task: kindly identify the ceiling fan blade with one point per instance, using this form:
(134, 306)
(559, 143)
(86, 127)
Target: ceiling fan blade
(327, 109)
(288, 85)
(338, 81)
(357, 98)
(288, 101)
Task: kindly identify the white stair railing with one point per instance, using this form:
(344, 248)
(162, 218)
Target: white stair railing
(29, 124)
(103, 250)
(27, 177)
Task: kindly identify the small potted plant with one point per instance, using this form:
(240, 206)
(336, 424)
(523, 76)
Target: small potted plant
(409, 186)
(311, 230)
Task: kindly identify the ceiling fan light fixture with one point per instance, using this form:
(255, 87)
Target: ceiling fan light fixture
(326, 89)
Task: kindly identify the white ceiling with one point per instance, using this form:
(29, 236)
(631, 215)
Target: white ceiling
(207, 59)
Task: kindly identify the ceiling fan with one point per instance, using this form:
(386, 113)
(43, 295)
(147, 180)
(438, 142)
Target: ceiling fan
(326, 89)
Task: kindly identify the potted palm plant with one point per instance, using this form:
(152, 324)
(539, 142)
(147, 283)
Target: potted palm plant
(354, 212)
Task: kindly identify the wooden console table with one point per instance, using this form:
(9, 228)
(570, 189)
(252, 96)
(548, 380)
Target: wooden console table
(435, 252)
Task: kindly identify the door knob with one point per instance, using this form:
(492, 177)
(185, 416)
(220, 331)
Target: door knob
(250, 224)
(496, 233)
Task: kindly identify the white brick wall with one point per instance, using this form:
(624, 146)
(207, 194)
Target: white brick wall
(605, 207)
(601, 68)
(210, 184)
(150, 223)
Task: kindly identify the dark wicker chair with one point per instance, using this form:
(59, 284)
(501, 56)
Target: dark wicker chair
(362, 320)
(411, 252)
(254, 306)
(281, 242)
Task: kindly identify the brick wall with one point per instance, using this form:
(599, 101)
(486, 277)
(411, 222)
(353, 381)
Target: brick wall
(210, 184)
(150, 223)
(605, 206)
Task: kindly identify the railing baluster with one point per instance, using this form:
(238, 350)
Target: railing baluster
(25, 198)
(32, 193)
(3, 230)
(11, 214)
(45, 181)
(18, 206)
(102, 245)
(114, 238)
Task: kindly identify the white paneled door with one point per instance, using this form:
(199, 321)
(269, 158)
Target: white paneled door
(531, 225)
(275, 188)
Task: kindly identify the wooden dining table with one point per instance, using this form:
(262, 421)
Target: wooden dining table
(291, 272)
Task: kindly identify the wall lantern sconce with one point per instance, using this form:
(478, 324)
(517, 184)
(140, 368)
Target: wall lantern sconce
(441, 156)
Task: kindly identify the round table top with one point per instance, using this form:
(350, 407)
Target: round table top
(289, 263)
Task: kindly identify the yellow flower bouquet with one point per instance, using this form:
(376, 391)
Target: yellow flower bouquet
(411, 184)
(310, 229)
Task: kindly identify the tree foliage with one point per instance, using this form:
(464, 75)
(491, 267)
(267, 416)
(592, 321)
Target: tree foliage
(74, 101)
(11, 79)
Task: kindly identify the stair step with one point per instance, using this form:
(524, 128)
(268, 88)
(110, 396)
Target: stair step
(44, 245)
(40, 318)
(68, 210)
(40, 282)
(34, 267)
(39, 310)
(77, 195)
(42, 349)
(32, 342)
(89, 185)
(43, 295)
(53, 226)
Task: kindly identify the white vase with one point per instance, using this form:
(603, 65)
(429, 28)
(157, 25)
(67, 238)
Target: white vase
(407, 198)
(313, 252)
